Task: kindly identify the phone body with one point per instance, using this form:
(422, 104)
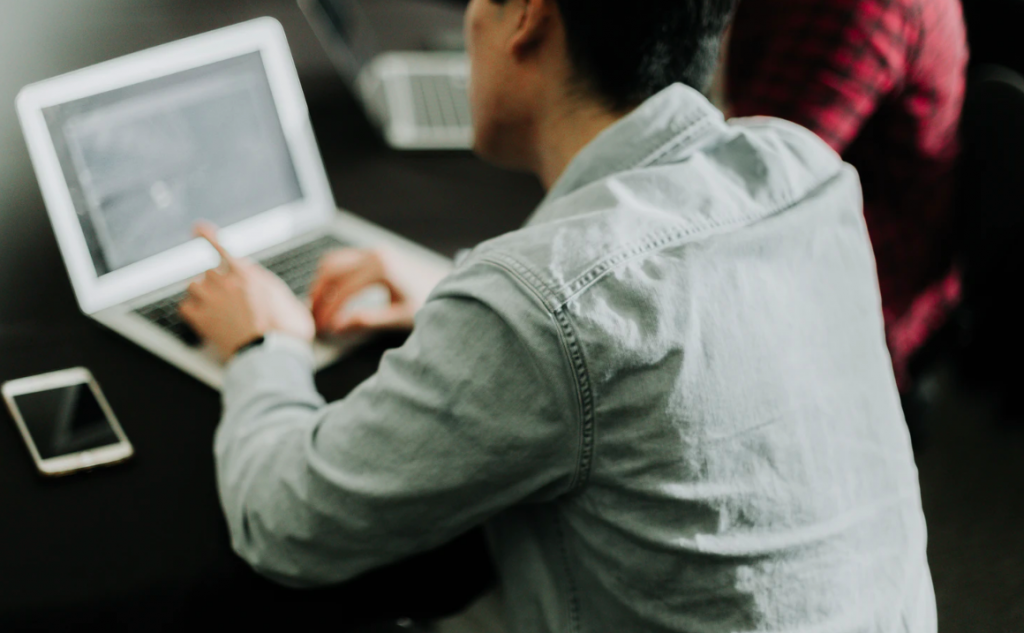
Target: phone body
(66, 421)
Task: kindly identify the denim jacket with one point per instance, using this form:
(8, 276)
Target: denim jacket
(667, 397)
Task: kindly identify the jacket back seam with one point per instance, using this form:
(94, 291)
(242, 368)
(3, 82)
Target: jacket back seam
(663, 238)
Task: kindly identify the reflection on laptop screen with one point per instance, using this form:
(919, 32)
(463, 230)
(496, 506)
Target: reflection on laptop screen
(145, 162)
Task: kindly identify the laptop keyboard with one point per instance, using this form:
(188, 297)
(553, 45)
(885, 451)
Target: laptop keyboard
(440, 101)
(296, 267)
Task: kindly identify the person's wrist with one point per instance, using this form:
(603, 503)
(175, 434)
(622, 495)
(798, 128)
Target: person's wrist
(290, 342)
(303, 329)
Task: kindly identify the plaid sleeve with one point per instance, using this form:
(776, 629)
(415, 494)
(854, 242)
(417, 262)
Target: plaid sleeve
(825, 64)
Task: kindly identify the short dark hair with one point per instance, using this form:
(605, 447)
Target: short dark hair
(626, 51)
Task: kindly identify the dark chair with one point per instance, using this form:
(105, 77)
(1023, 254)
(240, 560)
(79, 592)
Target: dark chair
(993, 32)
(990, 220)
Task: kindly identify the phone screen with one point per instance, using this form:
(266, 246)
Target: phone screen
(65, 420)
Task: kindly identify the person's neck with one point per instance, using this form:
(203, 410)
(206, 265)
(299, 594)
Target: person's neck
(567, 129)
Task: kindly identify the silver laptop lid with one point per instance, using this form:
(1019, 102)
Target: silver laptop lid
(354, 32)
(346, 33)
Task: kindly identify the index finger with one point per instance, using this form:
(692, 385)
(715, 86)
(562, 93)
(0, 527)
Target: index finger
(208, 232)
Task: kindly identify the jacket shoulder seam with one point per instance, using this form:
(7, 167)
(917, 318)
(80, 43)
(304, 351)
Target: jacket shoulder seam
(572, 354)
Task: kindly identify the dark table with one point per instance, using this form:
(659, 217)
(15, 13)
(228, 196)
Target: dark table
(143, 545)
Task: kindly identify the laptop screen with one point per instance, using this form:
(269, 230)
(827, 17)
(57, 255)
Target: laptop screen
(144, 163)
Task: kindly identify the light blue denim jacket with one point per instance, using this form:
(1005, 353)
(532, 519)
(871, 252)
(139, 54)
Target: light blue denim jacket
(667, 397)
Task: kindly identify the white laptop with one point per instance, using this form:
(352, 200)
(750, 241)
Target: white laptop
(130, 153)
(417, 98)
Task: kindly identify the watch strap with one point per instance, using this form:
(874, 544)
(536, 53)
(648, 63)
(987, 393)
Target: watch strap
(256, 342)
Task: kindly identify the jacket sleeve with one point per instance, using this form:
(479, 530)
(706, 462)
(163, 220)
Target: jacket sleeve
(475, 413)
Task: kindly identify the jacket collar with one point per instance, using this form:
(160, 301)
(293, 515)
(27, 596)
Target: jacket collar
(666, 126)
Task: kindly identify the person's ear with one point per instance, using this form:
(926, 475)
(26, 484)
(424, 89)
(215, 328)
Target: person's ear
(536, 20)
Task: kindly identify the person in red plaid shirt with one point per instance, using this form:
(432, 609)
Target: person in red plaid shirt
(882, 82)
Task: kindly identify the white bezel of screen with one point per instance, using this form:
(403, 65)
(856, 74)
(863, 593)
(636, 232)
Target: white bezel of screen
(72, 461)
(271, 227)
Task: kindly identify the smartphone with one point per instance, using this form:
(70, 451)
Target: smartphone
(66, 422)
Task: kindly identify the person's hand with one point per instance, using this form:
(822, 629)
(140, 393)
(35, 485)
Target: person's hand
(345, 273)
(239, 301)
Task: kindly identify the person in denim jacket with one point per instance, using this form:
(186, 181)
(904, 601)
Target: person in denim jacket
(667, 397)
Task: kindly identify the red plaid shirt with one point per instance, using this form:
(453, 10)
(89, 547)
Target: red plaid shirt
(882, 82)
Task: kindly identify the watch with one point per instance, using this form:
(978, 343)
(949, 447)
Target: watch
(256, 342)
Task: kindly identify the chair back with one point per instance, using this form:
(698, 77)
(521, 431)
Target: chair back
(990, 210)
